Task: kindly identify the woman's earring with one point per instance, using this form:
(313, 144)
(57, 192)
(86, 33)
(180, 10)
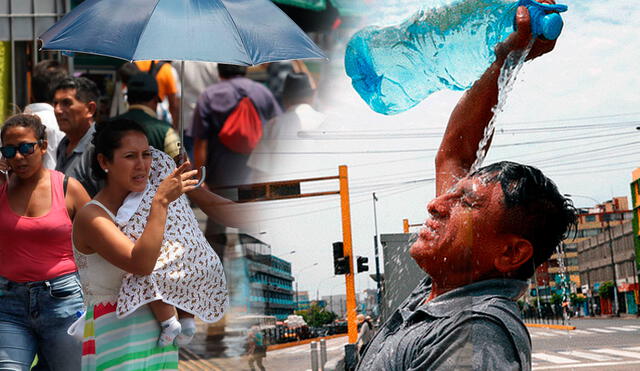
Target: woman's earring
(106, 170)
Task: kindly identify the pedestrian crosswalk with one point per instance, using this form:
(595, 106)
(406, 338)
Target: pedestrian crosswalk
(546, 333)
(586, 358)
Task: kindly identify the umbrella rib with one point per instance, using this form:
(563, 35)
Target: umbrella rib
(244, 45)
(144, 29)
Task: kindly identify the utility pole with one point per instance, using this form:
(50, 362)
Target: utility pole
(375, 246)
(616, 308)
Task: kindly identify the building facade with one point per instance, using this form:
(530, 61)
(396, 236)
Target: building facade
(336, 304)
(609, 257)
(564, 266)
(259, 283)
(302, 300)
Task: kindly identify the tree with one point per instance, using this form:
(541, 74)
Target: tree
(577, 299)
(316, 316)
(606, 290)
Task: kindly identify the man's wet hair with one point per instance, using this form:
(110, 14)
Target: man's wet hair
(86, 90)
(534, 209)
(228, 71)
(47, 74)
(107, 139)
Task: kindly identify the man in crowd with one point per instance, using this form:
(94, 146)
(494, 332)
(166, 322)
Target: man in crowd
(47, 74)
(74, 102)
(196, 77)
(487, 233)
(142, 95)
(162, 71)
(224, 166)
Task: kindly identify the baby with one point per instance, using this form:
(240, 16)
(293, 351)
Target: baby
(188, 278)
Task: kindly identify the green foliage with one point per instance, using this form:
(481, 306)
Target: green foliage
(556, 298)
(606, 290)
(316, 316)
(577, 298)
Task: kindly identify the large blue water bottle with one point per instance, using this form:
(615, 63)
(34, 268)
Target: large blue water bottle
(395, 68)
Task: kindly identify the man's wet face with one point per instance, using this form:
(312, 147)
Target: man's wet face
(463, 230)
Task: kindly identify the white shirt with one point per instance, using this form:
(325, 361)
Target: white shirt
(54, 135)
(281, 135)
(197, 77)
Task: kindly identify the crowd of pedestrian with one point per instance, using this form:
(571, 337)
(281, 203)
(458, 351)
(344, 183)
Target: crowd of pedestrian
(132, 258)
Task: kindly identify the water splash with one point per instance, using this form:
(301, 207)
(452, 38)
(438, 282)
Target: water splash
(506, 80)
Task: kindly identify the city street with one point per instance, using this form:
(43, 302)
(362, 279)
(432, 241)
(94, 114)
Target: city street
(296, 358)
(595, 344)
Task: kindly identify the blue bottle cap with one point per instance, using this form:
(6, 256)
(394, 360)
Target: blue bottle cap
(546, 25)
(551, 26)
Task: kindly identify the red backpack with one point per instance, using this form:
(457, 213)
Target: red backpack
(242, 130)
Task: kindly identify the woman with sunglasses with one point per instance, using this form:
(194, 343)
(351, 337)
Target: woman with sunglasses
(40, 293)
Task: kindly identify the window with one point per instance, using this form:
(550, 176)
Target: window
(590, 218)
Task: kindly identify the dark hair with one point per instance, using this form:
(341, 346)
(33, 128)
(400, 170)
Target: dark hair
(534, 209)
(140, 97)
(231, 70)
(86, 90)
(126, 71)
(107, 139)
(26, 121)
(47, 74)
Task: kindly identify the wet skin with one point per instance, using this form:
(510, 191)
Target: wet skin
(462, 239)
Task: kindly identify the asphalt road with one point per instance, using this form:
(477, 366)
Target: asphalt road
(595, 344)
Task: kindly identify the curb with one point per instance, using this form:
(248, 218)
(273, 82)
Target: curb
(555, 327)
(302, 342)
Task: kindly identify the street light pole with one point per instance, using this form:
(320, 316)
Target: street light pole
(375, 246)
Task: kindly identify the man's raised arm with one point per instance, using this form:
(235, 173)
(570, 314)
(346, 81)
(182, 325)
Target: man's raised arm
(473, 112)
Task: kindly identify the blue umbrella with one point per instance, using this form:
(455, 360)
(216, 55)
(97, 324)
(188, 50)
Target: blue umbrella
(242, 32)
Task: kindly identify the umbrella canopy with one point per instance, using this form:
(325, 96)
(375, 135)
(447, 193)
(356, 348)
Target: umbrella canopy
(241, 32)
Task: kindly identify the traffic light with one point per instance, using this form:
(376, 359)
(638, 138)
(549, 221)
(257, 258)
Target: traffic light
(340, 262)
(363, 262)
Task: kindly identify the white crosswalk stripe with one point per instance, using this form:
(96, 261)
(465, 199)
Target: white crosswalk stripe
(582, 332)
(601, 330)
(559, 332)
(545, 334)
(618, 352)
(587, 355)
(633, 326)
(622, 329)
(553, 359)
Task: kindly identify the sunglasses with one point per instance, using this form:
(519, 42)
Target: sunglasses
(23, 148)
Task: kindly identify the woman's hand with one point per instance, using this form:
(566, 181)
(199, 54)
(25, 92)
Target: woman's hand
(176, 184)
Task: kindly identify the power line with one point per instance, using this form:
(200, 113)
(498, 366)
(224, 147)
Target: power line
(385, 151)
(436, 133)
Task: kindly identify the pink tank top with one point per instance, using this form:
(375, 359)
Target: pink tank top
(38, 248)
